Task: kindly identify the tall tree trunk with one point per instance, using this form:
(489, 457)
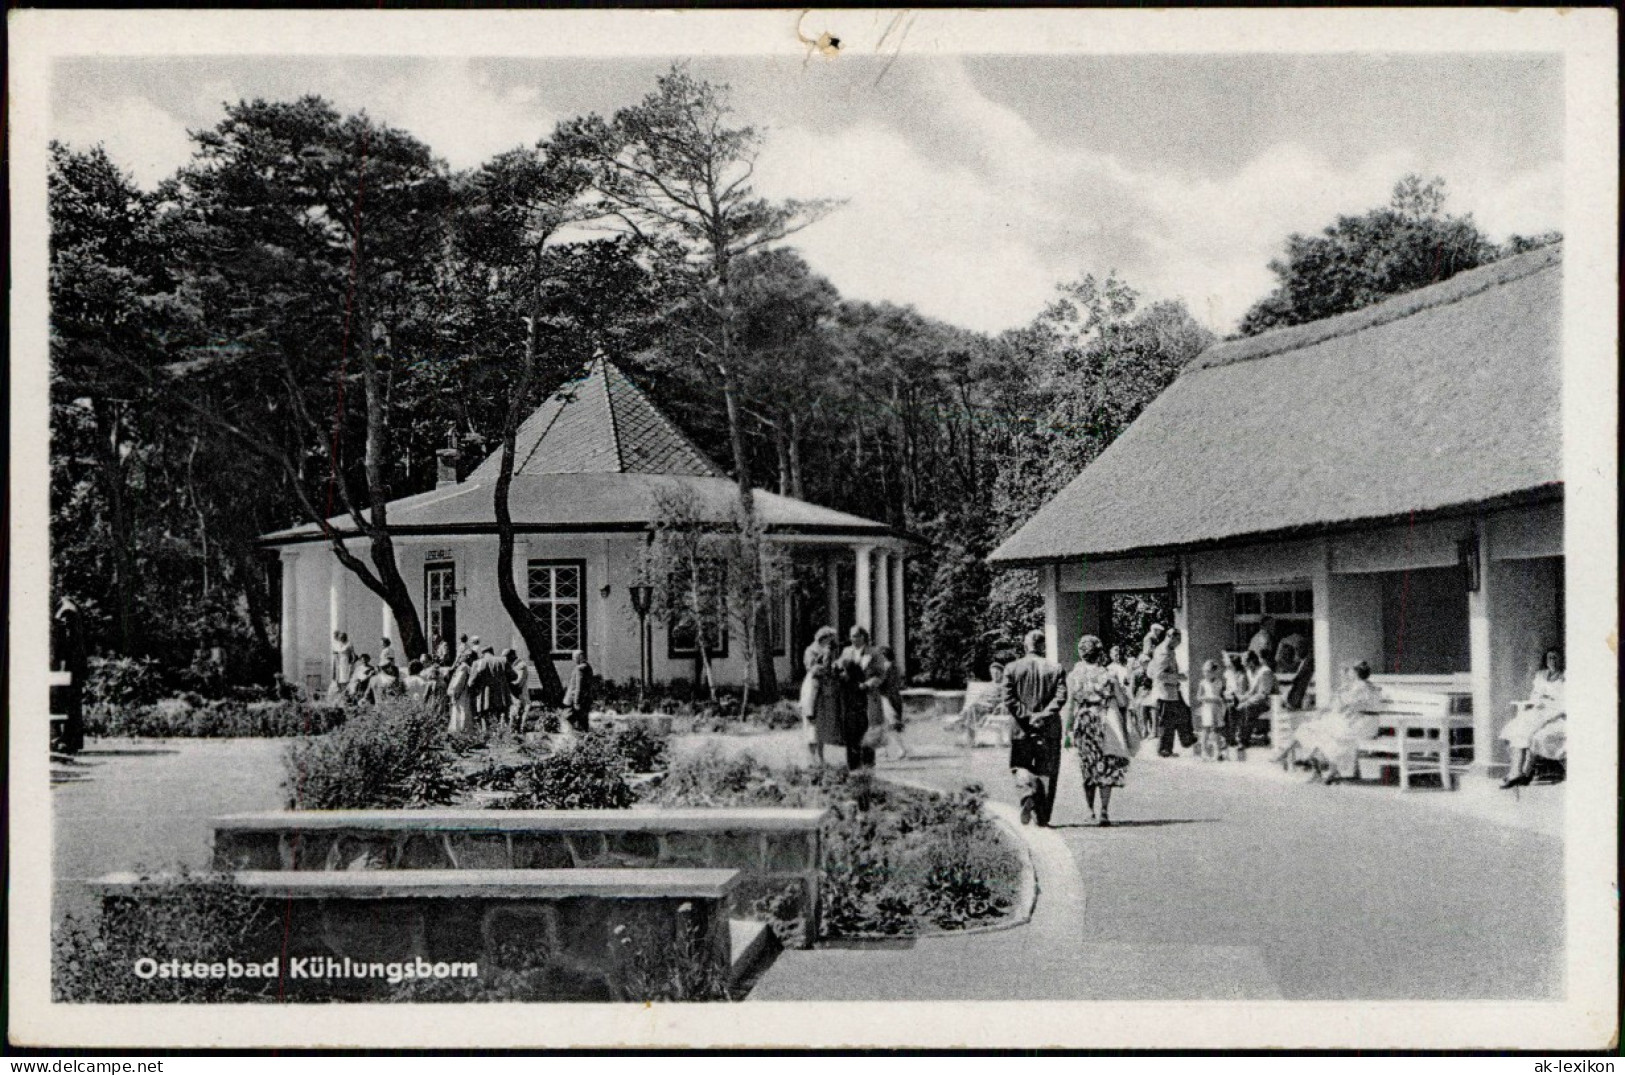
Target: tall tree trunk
(766, 675)
(537, 643)
(797, 489)
(382, 547)
(249, 583)
(197, 510)
(110, 476)
(781, 445)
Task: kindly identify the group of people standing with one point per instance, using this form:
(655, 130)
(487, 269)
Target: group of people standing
(474, 686)
(851, 698)
(1230, 697)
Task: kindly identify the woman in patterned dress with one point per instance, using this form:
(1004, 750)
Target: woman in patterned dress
(1105, 741)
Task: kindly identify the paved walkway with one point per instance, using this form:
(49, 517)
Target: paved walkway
(125, 804)
(1226, 880)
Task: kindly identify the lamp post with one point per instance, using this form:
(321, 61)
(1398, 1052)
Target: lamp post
(642, 598)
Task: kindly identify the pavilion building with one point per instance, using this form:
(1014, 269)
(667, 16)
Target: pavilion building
(1386, 483)
(591, 466)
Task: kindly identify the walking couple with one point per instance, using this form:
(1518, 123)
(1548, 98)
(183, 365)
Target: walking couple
(852, 699)
(1091, 702)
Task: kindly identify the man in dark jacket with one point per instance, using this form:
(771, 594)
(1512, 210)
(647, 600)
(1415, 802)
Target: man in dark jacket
(1034, 694)
(579, 696)
(488, 680)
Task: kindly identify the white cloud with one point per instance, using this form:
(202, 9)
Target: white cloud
(140, 137)
(955, 203)
(452, 107)
(968, 214)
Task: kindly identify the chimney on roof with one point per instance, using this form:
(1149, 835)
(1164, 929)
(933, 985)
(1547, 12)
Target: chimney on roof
(445, 467)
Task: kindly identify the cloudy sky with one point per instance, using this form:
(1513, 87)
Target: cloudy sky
(972, 184)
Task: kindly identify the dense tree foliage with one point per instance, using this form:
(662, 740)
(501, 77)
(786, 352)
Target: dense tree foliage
(289, 329)
(1409, 243)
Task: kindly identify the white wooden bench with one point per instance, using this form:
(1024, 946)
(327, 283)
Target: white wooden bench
(1419, 733)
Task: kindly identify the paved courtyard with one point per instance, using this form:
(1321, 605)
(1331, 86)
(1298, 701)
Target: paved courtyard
(1216, 881)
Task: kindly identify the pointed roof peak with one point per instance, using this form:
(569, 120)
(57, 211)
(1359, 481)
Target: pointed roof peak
(601, 423)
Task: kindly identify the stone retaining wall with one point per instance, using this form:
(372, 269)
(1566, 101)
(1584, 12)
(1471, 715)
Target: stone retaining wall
(600, 935)
(776, 852)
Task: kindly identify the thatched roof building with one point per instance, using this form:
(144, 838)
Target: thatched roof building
(1427, 402)
(1385, 485)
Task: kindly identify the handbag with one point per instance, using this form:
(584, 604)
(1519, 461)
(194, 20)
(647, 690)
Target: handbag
(875, 735)
(809, 696)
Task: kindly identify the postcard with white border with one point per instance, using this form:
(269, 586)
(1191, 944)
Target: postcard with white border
(814, 529)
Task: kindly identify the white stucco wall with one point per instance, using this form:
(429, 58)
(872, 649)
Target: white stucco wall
(611, 624)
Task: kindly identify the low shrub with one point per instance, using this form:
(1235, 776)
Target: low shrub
(587, 774)
(191, 717)
(714, 778)
(123, 681)
(195, 918)
(392, 756)
(780, 715)
(682, 698)
(644, 749)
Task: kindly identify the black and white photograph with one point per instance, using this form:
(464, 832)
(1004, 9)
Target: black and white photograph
(1024, 530)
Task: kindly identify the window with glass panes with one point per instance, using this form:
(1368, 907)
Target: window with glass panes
(555, 598)
(440, 599)
(1290, 604)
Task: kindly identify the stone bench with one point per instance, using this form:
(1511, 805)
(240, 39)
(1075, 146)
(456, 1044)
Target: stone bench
(586, 935)
(924, 703)
(776, 851)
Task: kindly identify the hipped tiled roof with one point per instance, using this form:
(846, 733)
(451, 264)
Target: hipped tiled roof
(595, 457)
(1445, 397)
(600, 424)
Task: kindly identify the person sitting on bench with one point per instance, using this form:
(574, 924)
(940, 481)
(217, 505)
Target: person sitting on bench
(982, 701)
(1540, 728)
(1330, 743)
(1255, 703)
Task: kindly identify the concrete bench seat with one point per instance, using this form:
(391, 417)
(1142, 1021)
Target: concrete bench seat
(776, 851)
(594, 935)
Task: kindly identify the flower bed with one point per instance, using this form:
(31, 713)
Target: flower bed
(897, 861)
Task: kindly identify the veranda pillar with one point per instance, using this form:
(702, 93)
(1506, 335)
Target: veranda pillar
(832, 593)
(335, 597)
(899, 630)
(1481, 609)
(863, 615)
(290, 616)
(882, 626)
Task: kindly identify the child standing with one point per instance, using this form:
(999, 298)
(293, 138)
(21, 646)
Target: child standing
(1210, 711)
(1235, 687)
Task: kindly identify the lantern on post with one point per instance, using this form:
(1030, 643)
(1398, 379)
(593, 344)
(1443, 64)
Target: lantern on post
(642, 600)
(1467, 555)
